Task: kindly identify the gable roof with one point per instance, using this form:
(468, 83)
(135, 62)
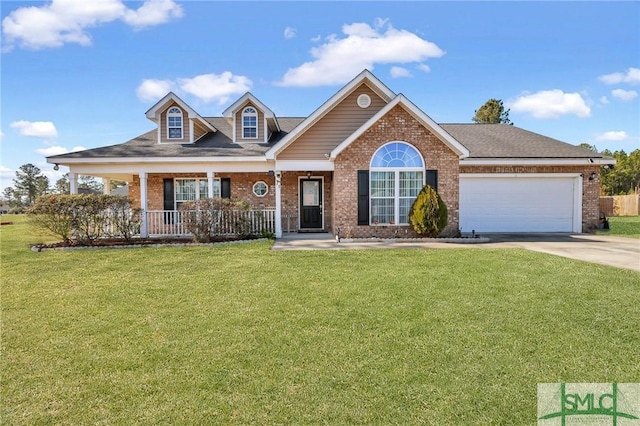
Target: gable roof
(364, 77)
(418, 114)
(248, 97)
(154, 112)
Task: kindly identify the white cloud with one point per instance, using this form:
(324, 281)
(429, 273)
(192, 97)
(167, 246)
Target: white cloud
(604, 100)
(424, 67)
(551, 104)
(624, 95)
(399, 72)
(206, 87)
(152, 90)
(66, 21)
(339, 59)
(58, 150)
(290, 33)
(1, 135)
(153, 12)
(632, 76)
(218, 87)
(613, 136)
(36, 129)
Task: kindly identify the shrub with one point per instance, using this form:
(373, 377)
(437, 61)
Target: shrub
(428, 215)
(85, 217)
(210, 218)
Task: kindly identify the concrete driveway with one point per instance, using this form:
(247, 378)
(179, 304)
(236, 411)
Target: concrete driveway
(612, 251)
(603, 249)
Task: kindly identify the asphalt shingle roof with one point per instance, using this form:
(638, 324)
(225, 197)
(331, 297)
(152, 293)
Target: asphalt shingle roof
(505, 141)
(482, 141)
(215, 144)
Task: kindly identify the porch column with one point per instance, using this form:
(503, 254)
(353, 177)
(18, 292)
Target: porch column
(73, 183)
(210, 176)
(106, 182)
(278, 175)
(144, 229)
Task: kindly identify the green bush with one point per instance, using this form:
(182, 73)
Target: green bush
(428, 215)
(84, 218)
(210, 218)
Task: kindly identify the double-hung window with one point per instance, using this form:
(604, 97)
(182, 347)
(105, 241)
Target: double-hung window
(396, 177)
(174, 123)
(194, 189)
(249, 123)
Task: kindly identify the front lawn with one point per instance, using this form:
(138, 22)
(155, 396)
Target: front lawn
(238, 334)
(623, 226)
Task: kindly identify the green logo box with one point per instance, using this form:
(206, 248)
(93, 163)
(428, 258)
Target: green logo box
(593, 404)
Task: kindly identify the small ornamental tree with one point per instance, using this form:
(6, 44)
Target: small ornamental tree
(428, 215)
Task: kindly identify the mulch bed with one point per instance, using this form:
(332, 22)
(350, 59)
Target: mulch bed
(137, 242)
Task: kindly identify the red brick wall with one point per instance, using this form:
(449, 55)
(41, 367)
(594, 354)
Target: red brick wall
(397, 125)
(241, 187)
(590, 188)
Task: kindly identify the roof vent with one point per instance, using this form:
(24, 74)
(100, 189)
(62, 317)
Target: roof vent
(364, 101)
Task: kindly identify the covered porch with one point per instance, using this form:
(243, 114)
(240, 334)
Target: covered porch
(277, 198)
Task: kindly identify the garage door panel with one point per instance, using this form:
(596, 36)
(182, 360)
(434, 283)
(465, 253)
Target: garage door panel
(523, 204)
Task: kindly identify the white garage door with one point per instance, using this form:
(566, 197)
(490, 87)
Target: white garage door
(520, 203)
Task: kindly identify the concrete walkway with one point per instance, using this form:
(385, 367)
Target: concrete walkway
(602, 249)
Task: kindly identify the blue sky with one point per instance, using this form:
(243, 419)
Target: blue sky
(81, 74)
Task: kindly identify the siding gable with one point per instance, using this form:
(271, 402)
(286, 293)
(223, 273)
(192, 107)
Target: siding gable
(164, 136)
(238, 125)
(334, 127)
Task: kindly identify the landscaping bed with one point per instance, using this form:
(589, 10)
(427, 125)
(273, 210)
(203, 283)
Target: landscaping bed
(137, 242)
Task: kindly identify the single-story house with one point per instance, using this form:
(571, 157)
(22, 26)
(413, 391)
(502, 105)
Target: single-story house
(354, 165)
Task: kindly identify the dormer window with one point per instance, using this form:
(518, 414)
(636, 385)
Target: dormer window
(174, 123)
(249, 123)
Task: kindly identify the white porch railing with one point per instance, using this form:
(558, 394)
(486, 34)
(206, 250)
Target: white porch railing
(169, 222)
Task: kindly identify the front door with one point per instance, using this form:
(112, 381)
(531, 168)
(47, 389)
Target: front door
(311, 204)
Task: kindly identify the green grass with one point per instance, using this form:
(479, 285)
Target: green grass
(238, 334)
(623, 226)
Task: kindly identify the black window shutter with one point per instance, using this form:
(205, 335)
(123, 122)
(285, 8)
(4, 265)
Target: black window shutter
(225, 187)
(167, 188)
(167, 185)
(363, 197)
(432, 179)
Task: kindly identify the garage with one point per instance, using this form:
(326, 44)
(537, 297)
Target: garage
(532, 202)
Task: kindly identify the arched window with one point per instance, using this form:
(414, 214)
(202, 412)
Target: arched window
(174, 123)
(396, 178)
(249, 123)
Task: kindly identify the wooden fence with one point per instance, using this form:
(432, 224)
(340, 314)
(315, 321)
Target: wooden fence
(620, 205)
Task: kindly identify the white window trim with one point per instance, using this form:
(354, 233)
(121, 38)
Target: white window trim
(175, 114)
(254, 188)
(396, 171)
(249, 114)
(198, 180)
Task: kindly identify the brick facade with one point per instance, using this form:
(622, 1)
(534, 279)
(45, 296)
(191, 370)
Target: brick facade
(397, 125)
(590, 188)
(241, 187)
